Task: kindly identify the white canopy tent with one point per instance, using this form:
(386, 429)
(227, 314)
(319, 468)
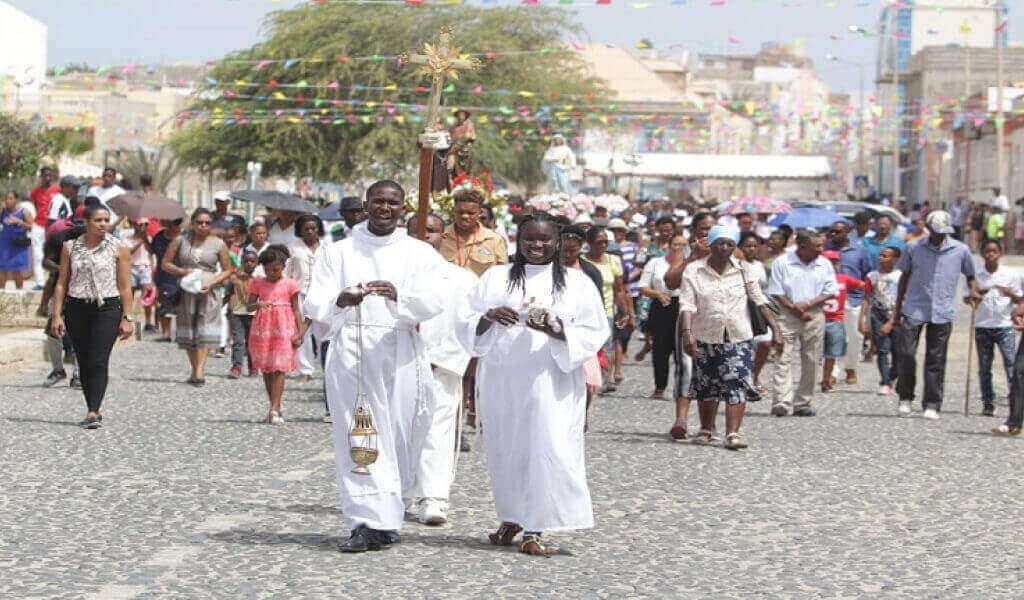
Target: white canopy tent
(709, 166)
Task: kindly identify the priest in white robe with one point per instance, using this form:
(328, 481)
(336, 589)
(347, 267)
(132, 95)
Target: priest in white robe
(534, 325)
(394, 280)
(448, 360)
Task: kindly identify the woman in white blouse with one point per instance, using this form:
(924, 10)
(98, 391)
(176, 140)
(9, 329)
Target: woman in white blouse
(717, 333)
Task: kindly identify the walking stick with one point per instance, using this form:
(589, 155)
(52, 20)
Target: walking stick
(970, 355)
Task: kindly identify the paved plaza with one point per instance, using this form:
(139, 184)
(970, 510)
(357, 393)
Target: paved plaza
(185, 494)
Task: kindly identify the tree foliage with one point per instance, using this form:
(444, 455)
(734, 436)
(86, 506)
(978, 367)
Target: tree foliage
(162, 165)
(351, 150)
(22, 148)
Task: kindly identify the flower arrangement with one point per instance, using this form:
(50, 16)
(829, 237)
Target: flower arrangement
(558, 204)
(561, 204)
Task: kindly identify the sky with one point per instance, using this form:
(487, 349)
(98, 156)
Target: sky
(164, 31)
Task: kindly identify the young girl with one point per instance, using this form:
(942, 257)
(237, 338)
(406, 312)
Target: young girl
(278, 326)
(879, 320)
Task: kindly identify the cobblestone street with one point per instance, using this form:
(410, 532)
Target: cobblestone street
(185, 494)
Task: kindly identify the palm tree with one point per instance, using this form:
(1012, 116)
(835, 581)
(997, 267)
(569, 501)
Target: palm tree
(160, 164)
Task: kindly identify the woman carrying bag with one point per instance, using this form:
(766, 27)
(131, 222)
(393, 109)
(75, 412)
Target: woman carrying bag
(196, 256)
(94, 293)
(14, 241)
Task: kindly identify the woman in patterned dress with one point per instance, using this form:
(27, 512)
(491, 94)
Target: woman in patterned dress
(197, 320)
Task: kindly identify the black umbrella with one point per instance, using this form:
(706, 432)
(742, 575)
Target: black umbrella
(276, 200)
(136, 205)
(331, 212)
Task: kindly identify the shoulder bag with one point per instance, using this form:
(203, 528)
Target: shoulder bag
(757, 323)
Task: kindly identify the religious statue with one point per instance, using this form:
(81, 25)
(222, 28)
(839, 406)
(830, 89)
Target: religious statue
(557, 164)
(463, 134)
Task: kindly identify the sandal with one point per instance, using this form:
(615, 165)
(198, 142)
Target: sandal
(734, 441)
(705, 437)
(505, 534)
(619, 378)
(534, 547)
(678, 431)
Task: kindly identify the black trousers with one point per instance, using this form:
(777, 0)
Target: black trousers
(1016, 417)
(662, 327)
(93, 330)
(936, 342)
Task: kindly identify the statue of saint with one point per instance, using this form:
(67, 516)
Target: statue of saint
(460, 156)
(557, 164)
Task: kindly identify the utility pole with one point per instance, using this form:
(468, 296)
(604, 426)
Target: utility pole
(968, 124)
(1000, 130)
(899, 110)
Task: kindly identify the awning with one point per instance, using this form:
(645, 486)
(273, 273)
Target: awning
(708, 166)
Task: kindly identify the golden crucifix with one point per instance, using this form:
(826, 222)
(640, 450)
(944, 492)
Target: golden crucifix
(439, 60)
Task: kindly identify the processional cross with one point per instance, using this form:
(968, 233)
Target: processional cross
(439, 61)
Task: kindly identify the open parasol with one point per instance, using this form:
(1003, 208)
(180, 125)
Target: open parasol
(757, 204)
(136, 205)
(808, 216)
(275, 200)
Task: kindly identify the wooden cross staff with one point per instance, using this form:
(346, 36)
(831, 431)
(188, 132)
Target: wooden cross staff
(439, 61)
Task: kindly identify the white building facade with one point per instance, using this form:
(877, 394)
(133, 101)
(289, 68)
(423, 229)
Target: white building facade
(22, 60)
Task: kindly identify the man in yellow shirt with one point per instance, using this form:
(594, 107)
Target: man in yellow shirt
(470, 245)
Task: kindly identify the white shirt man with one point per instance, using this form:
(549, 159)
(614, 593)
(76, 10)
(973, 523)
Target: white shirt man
(801, 282)
(107, 191)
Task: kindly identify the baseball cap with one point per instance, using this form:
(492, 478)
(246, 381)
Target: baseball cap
(222, 196)
(616, 223)
(70, 180)
(351, 203)
(583, 218)
(830, 254)
(938, 221)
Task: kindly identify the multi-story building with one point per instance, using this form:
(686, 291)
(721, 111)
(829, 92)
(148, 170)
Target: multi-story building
(904, 29)
(22, 60)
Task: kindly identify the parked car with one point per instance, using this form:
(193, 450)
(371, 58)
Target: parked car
(848, 208)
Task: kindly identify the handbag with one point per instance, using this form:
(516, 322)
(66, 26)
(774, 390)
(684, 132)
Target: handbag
(757, 323)
(22, 241)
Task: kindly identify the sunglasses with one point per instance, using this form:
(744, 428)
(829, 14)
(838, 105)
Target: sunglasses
(203, 222)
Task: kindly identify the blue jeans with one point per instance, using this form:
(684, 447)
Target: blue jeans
(987, 340)
(884, 345)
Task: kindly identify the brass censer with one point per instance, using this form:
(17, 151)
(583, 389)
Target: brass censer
(362, 435)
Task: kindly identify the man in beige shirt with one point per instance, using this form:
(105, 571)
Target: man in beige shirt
(470, 245)
(466, 242)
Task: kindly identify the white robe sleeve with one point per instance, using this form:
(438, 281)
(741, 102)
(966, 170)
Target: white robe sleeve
(324, 288)
(586, 331)
(421, 297)
(472, 310)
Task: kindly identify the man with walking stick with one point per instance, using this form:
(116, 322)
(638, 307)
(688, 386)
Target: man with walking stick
(931, 269)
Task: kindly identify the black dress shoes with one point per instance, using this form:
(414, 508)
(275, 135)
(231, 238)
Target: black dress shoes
(362, 539)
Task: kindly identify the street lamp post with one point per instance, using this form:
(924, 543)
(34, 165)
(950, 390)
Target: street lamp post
(898, 104)
(1000, 132)
(860, 116)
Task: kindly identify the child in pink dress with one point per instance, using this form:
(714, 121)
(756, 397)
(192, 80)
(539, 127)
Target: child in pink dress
(278, 326)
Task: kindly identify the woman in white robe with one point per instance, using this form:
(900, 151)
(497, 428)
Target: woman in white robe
(534, 325)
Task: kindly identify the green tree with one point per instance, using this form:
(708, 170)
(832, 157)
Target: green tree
(162, 165)
(352, 144)
(22, 148)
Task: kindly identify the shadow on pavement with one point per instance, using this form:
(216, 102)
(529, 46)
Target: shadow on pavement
(330, 543)
(987, 434)
(43, 421)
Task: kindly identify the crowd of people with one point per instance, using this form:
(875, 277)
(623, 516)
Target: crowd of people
(516, 332)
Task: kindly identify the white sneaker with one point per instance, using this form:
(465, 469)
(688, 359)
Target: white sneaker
(884, 390)
(905, 409)
(931, 414)
(433, 512)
